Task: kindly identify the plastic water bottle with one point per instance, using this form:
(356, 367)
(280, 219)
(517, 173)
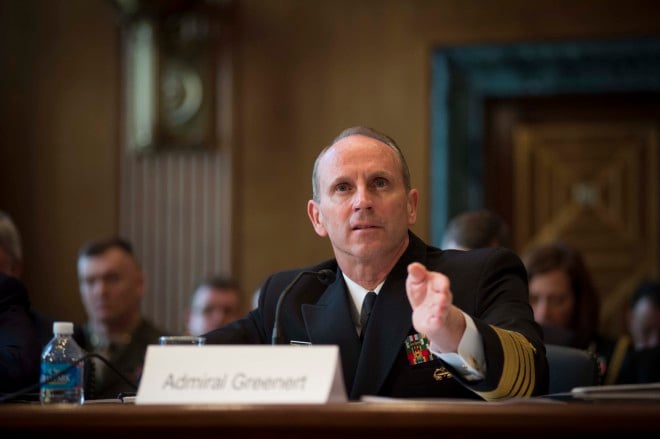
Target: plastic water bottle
(60, 353)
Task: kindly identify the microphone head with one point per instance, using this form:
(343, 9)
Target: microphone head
(326, 276)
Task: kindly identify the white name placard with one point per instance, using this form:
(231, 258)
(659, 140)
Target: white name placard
(251, 374)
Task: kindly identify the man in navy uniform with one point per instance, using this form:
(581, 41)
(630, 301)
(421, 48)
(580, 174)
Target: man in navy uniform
(469, 309)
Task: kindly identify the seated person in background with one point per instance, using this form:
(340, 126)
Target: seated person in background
(216, 301)
(469, 310)
(565, 300)
(255, 298)
(19, 348)
(476, 229)
(11, 263)
(111, 286)
(636, 358)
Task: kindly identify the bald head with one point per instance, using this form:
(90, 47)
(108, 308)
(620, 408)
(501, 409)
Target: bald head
(367, 132)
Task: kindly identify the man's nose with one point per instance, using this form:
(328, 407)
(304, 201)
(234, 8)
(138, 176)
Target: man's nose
(363, 198)
(98, 288)
(217, 318)
(541, 312)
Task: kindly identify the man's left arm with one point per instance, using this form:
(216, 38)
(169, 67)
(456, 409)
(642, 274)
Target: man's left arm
(496, 351)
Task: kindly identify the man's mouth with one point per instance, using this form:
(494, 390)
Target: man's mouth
(364, 226)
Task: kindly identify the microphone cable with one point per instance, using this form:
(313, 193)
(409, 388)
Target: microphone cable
(325, 276)
(34, 387)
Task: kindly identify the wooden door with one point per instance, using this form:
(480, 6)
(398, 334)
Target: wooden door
(590, 178)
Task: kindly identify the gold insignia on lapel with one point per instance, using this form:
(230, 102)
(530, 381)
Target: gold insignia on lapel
(441, 373)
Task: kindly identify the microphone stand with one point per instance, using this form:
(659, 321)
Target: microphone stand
(324, 276)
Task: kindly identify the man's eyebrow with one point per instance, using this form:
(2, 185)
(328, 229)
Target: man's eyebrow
(381, 174)
(339, 179)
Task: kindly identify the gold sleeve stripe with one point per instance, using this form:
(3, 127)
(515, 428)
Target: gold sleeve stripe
(617, 359)
(518, 372)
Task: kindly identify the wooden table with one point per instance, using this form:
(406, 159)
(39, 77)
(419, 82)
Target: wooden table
(390, 419)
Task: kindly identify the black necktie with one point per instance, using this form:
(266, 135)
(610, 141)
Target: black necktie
(367, 307)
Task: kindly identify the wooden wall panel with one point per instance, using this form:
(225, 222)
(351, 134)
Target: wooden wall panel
(174, 209)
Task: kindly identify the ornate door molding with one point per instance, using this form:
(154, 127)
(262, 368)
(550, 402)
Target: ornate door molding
(595, 186)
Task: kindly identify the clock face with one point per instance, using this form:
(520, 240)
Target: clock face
(170, 83)
(181, 94)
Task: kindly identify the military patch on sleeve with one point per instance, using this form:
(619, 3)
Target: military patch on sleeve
(417, 349)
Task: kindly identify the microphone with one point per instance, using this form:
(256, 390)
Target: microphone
(325, 276)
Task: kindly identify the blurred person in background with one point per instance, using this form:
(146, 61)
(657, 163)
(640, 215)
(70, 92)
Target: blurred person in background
(11, 263)
(19, 348)
(215, 302)
(476, 229)
(112, 285)
(11, 251)
(564, 299)
(636, 358)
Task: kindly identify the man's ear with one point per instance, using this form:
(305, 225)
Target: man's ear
(141, 282)
(315, 217)
(413, 198)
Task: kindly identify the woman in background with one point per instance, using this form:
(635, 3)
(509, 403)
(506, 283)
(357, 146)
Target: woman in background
(565, 300)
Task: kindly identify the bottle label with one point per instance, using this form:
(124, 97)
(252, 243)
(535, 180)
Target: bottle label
(69, 380)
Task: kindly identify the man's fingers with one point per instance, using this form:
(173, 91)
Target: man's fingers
(415, 283)
(439, 283)
(416, 273)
